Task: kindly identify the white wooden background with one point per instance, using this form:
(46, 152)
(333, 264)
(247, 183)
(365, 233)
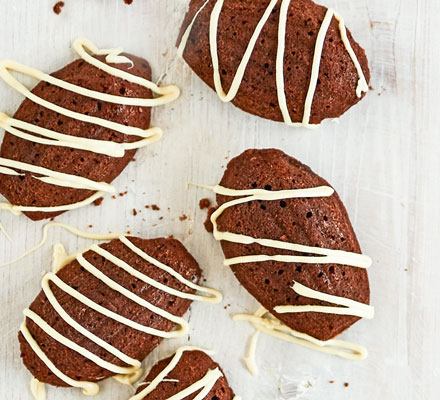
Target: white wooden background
(382, 157)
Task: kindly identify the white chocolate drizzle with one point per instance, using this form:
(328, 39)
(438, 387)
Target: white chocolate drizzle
(57, 262)
(48, 137)
(5, 232)
(123, 374)
(38, 389)
(350, 307)
(362, 85)
(264, 322)
(273, 326)
(204, 385)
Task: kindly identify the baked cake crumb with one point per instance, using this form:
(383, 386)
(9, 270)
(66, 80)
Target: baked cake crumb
(183, 217)
(134, 212)
(204, 203)
(57, 8)
(98, 202)
(154, 207)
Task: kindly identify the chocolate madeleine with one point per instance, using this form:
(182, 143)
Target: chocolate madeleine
(190, 369)
(290, 243)
(284, 60)
(106, 310)
(76, 130)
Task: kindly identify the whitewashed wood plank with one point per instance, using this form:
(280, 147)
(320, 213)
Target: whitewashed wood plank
(382, 157)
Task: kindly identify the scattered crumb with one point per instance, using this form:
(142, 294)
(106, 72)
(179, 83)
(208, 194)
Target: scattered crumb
(57, 8)
(147, 206)
(208, 223)
(98, 201)
(128, 232)
(227, 306)
(190, 232)
(134, 212)
(183, 217)
(90, 226)
(122, 194)
(113, 197)
(331, 381)
(346, 384)
(171, 237)
(204, 203)
(154, 207)
(160, 218)
(128, 1)
(52, 219)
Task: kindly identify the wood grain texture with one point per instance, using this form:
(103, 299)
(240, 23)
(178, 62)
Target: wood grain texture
(382, 157)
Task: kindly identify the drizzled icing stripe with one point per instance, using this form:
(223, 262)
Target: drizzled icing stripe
(350, 307)
(204, 384)
(68, 228)
(48, 137)
(4, 231)
(273, 326)
(327, 256)
(125, 374)
(362, 85)
(238, 78)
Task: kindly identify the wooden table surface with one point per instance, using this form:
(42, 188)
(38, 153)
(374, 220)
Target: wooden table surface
(382, 157)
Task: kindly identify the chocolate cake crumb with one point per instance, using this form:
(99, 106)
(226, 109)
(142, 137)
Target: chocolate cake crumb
(98, 202)
(183, 217)
(134, 212)
(90, 226)
(128, 2)
(346, 384)
(57, 8)
(204, 203)
(122, 194)
(154, 207)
